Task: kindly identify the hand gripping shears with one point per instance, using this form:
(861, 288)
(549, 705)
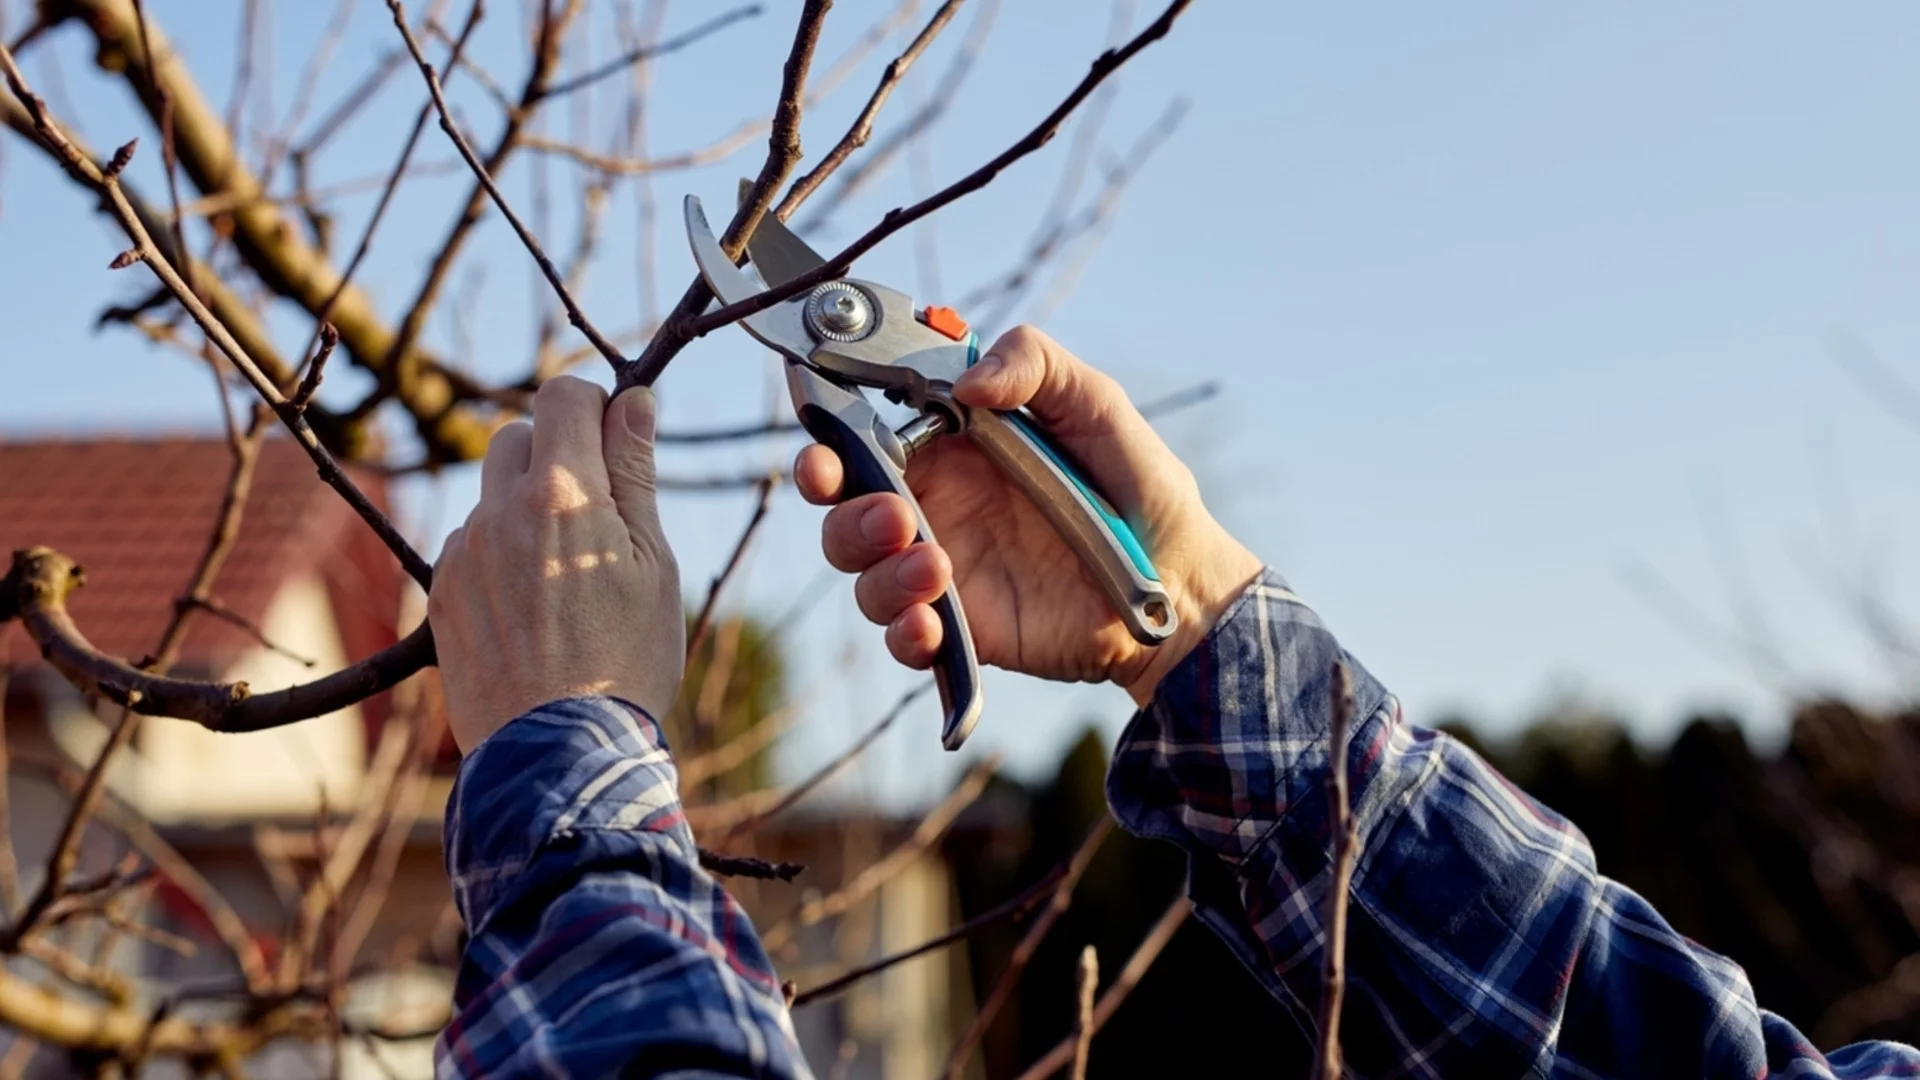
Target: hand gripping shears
(849, 333)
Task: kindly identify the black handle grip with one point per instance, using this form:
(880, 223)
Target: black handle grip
(871, 467)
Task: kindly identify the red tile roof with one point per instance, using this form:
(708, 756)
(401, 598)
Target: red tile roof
(136, 513)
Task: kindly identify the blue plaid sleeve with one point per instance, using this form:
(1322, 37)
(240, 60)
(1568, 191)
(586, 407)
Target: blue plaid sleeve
(1481, 940)
(597, 945)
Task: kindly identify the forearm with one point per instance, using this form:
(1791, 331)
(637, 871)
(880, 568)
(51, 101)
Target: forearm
(1481, 940)
(597, 944)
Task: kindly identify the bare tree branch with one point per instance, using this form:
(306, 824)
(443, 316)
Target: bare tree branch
(658, 49)
(829, 770)
(703, 623)
(483, 174)
(1018, 906)
(783, 152)
(1023, 952)
(862, 129)
(267, 240)
(900, 217)
(1144, 954)
(1345, 847)
(35, 592)
(1083, 1024)
(925, 835)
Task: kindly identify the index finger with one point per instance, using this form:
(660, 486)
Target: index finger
(566, 431)
(818, 474)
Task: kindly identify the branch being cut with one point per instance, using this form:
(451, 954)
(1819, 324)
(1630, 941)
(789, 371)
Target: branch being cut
(862, 129)
(783, 153)
(900, 217)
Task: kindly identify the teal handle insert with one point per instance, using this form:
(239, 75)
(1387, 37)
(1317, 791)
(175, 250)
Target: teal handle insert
(1122, 532)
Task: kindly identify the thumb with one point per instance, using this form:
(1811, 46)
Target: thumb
(627, 444)
(1068, 395)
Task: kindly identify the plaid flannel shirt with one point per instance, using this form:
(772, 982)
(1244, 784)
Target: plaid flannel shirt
(1481, 941)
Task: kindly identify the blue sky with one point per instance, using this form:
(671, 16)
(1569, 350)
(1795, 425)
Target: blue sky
(1506, 299)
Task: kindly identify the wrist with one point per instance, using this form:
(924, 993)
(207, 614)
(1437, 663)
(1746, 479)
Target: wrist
(1219, 573)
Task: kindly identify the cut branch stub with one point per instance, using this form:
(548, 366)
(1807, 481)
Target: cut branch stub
(35, 591)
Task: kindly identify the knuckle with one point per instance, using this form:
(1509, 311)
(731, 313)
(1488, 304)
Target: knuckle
(566, 391)
(555, 488)
(873, 596)
(1025, 338)
(506, 435)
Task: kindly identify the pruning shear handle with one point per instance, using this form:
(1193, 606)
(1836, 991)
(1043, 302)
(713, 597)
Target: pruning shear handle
(842, 421)
(1102, 540)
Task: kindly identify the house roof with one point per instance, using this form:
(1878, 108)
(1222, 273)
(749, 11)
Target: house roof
(137, 512)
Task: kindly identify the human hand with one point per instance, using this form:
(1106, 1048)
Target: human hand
(560, 584)
(1032, 606)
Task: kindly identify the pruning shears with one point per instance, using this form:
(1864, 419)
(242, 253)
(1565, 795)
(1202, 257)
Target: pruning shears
(849, 333)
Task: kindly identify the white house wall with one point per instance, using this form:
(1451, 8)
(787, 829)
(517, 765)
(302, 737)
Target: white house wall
(184, 771)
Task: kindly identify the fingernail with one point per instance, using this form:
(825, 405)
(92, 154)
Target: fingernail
(984, 371)
(641, 412)
(877, 525)
(917, 572)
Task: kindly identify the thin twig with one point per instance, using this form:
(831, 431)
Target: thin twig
(830, 769)
(862, 129)
(703, 622)
(485, 179)
(901, 217)
(546, 53)
(1333, 973)
(219, 544)
(648, 52)
(108, 186)
(327, 337)
(1083, 1019)
(748, 867)
(925, 835)
(1144, 954)
(783, 153)
(214, 607)
(1019, 905)
(1023, 952)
